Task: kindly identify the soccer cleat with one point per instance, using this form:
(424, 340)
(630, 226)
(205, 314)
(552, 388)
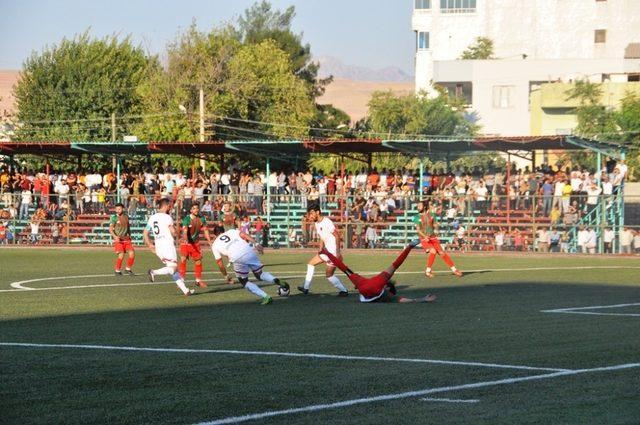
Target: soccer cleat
(458, 273)
(152, 277)
(190, 292)
(429, 274)
(129, 272)
(266, 300)
(414, 242)
(118, 273)
(303, 290)
(343, 294)
(429, 298)
(201, 284)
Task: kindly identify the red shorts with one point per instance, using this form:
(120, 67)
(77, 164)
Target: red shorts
(123, 246)
(372, 286)
(191, 250)
(431, 242)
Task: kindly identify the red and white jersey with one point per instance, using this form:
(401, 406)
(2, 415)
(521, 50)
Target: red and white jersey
(230, 244)
(325, 229)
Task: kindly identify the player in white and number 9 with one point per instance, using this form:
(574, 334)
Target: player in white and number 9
(235, 246)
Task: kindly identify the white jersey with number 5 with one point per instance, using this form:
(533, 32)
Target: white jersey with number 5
(325, 229)
(230, 244)
(159, 225)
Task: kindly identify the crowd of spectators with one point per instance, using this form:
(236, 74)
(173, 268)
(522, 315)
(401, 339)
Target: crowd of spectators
(563, 196)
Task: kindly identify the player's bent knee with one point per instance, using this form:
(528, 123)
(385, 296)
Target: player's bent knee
(243, 281)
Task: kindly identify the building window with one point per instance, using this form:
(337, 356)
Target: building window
(503, 97)
(422, 4)
(601, 36)
(458, 6)
(423, 40)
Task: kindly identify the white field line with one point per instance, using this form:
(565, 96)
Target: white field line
(409, 394)
(580, 310)
(450, 400)
(283, 354)
(19, 286)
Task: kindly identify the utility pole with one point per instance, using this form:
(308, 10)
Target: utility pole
(202, 163)
(113, 140)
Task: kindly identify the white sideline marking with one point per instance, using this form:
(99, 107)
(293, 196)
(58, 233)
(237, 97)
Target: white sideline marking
(579, 310)
(451, 400)
(409, 394)
(283, 354)
(19, 286)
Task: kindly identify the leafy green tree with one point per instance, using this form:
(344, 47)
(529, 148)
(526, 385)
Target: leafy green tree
(69, 91)
(481, 49)
(593, 118)
(262, 22)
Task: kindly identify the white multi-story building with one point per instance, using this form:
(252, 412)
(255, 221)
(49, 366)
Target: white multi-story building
(534, 41)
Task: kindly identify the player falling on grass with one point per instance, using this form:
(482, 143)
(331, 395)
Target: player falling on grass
(120, 231)
(329, 241)
(161, 226)
(427, 227)
(379, 288)
(235, 246)
(192, 225)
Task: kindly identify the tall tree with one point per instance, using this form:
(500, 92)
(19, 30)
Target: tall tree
(482, 48)
(68, 91)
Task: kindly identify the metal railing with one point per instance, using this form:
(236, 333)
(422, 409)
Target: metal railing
(496, 223)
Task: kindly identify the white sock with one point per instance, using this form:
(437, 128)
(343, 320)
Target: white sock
(164, 270)
(255, 289)
(428, 269)
(453, 268)
(178, 280)
(267, 277)
(307, 280)
(336, 282)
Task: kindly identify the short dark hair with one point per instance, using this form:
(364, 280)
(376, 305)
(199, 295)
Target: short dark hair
(162, 202)
(313, 207)
(119, 204)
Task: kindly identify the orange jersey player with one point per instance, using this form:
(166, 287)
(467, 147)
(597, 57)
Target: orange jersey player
(427, 227)
(120, 231)
(192, 225)
(379, 288)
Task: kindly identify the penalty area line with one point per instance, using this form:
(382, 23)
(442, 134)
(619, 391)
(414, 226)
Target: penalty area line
(409, 394)
(283, 354)
(581, 310)
(450, 400)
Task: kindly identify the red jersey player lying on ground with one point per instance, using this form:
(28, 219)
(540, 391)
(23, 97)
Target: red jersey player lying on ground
(379, 288)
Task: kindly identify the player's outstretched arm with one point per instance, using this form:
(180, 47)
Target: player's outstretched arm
(147, 239)
(251, 240)
(223, 270)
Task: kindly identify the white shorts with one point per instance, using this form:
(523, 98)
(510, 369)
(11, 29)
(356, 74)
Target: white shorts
(332, 249)
(167, 253)
(249, 262)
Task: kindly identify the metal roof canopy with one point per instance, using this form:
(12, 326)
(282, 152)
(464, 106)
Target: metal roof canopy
(287, 149)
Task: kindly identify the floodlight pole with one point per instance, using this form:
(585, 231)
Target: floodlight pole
(420, 194)
(118, 176)
(268, 191)
(202, 162)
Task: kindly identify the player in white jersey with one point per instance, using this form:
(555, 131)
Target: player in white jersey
(161, 226)
(235, 246)
(329, 240)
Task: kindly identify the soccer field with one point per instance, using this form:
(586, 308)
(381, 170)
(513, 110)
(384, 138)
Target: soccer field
(518, 339)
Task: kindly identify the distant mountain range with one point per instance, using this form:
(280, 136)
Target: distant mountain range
(334, 66)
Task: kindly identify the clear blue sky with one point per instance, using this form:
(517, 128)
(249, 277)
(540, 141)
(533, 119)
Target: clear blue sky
(371, 33)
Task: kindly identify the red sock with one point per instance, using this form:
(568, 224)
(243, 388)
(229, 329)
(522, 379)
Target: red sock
(403, 256)
(431, 259)
(335, 260)
(182, 268)
(130, 261)
(448, 260)
(198, 270)
(118, 264)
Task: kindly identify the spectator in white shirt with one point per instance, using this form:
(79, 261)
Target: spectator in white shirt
(25, 202)
(583, 235)
(608, 238)
(626, 239)
(592, 241)
(544, 239)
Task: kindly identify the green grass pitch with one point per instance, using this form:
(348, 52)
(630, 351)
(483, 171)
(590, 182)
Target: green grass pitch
(485, 352)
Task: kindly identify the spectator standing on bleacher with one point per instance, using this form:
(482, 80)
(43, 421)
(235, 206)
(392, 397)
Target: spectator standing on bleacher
(25, 202)
(626, 239)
